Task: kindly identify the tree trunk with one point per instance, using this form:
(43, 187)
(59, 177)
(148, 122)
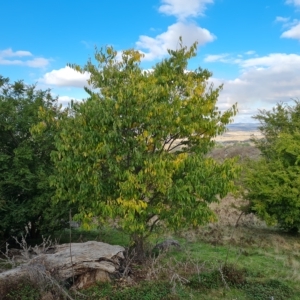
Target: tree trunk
(33, 230)
(86, 262)
(139, 247)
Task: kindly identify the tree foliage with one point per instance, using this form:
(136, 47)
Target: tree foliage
(273, 182)
(25, 164)
(136, 149)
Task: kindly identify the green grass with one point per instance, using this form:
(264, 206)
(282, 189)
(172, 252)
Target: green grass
(247, 258)
(259, 270)
(24, 290)
(268, 260)
(146, 291)
(224, 272)
(259, 264)
(104, 234)
(208, 285)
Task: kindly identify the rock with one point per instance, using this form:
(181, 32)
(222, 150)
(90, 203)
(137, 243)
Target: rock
(165, 245)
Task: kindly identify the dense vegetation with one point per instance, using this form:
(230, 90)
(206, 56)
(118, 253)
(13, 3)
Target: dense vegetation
(25, 164)
(139, 151)
(273, 182)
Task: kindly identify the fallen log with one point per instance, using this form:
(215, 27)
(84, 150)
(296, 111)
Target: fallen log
(85, 263)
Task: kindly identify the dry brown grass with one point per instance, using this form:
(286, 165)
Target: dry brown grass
(250, 232)
(240, 150)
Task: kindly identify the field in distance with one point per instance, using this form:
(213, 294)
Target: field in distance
(239, 132)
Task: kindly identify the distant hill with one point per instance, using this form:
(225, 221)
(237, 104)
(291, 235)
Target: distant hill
(243, 127)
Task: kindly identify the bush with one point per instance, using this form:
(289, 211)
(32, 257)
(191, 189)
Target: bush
(273, 183)
(25, 164)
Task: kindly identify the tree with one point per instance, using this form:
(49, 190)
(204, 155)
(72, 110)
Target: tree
(25, 164)
(136, 149)
(273, 183)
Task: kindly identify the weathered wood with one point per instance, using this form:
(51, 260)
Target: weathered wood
(87, 262)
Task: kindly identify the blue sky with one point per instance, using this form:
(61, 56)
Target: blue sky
(252, 47)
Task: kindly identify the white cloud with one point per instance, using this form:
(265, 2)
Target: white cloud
(66, 100)
(282, 19)
(295, 2)
(157, 47)
(65, 77)
(10, 53)
(264, 81)
(293, 32)
(183, 9)
(274, 60)
(38, 62)
(292, 26)
(7, 55)
(11, 62)
(216, 57)
(224, 58)
(250, 52)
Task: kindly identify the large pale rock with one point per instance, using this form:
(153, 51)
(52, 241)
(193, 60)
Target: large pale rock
(87, 262)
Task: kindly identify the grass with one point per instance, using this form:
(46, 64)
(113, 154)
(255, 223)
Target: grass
(261, 263)
(23, 290)
(242, 149)
(238, 284)
(103, 234)
(217, 261)
(146, 290)
(208, 266)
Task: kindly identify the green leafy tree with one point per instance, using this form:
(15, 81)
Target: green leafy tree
(25, 164)
(273, 183)
(136, 149)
